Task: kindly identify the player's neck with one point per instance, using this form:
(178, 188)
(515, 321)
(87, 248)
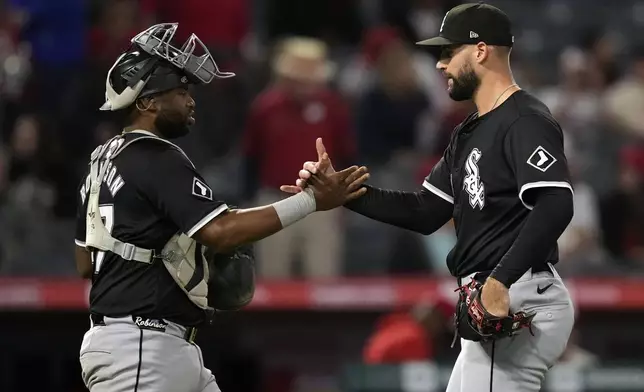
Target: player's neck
(140, 126)
(493, 91)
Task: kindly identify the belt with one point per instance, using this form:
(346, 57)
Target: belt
(187, 333)
(481, 276)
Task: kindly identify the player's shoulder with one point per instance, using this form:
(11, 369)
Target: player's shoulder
(528, 111)
(144, 146)
(524, 105)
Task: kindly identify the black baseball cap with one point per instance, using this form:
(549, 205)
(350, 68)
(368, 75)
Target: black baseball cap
(473, 23)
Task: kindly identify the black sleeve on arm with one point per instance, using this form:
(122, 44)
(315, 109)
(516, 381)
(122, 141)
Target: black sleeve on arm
(423, 212)
(552, 212)
(534, 147)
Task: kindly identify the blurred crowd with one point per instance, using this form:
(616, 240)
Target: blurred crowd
(344, 70)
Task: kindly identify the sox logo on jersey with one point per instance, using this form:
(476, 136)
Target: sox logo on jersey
(472, 182)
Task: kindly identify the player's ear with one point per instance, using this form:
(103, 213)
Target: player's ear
(147, 104)
(481, 52)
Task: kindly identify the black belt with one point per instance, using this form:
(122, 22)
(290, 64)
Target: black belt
(189, 335)
(481, 276)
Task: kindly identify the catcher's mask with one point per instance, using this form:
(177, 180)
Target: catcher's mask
(153, 65)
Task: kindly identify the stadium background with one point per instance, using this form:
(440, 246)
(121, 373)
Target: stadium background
(310, 330)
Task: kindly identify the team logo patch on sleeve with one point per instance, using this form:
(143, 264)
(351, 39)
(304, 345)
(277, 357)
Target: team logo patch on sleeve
(541, 159)
(200, 189)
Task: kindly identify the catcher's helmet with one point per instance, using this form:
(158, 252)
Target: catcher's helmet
(153, 65)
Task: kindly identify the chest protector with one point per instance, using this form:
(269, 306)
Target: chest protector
(182, 256)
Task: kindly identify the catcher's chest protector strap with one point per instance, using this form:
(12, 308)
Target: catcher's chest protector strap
(182, 256)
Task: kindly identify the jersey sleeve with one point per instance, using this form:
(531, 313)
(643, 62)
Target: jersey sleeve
(439, 180)
(535, 150)
(81, 211)
(175, 187)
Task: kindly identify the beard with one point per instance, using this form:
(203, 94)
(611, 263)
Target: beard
(465, 84)
(171, 124)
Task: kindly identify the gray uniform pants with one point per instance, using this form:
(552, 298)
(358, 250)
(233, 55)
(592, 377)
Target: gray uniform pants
(519, 363)
(121, 357)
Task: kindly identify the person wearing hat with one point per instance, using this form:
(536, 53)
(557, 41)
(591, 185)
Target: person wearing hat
(505, 181)
(283, 123)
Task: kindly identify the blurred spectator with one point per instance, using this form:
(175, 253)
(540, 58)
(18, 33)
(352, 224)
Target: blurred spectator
(622, 211)
(26, 212)
(118, 23)
(579, 245)
(4, 185)
(416, 19)
(418, 334)
(15, 69)
(27, 167)
(425, 17)
(284, 122)
(360, 73)
(603, 48)
(624, 102)
(56, 32)
(576, 104)
(390, 112)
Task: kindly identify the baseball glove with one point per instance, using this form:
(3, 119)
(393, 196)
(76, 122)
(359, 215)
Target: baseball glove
(231, 283)
(474, 322)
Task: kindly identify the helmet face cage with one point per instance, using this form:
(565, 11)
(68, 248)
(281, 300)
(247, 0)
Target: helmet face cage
(156, 41)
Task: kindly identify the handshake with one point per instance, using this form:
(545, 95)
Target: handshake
(331, 189)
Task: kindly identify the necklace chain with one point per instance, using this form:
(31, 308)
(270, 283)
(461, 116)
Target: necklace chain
(500, 95)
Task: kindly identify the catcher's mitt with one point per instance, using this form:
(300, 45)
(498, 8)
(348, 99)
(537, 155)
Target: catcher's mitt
(474, 322)
(231, 284)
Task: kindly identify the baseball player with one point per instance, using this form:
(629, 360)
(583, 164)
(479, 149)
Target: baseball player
(162, 252)
(505, 182)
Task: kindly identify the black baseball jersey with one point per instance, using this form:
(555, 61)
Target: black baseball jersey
(487, 172)
(151, 192)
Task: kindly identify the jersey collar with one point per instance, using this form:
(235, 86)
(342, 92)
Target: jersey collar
(141, 131)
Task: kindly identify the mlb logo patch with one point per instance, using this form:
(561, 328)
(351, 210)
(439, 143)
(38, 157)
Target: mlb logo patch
(541, 159)
(200, 189)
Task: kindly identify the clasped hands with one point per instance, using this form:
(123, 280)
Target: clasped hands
(331, 189)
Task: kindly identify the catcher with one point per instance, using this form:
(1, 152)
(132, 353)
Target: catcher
(162, 253)
(505, 182)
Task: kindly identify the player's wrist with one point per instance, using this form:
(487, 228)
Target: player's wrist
(493, 281)
(499, 279)
(295, 208)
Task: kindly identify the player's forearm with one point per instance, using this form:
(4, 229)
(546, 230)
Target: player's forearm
(549, 218)
(422, 212)
(244, 226)
(239, 227)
